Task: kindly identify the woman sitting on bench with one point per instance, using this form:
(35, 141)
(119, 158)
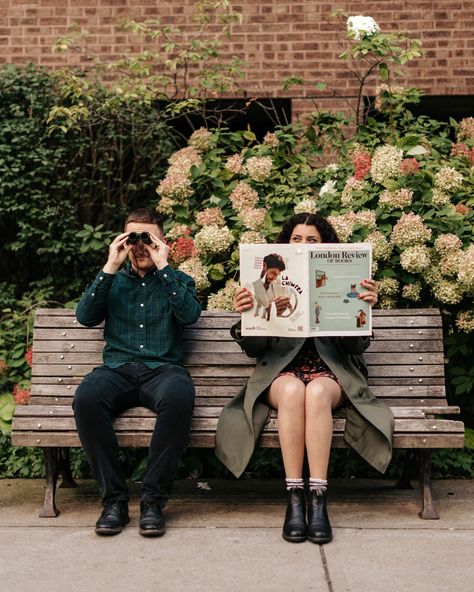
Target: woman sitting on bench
(305, 380)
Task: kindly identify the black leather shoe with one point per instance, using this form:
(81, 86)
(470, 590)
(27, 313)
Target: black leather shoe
(319, 529)
(294, 528)
(114, 516)
(152, 521)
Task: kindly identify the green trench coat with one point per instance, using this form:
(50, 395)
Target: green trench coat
(369, 422)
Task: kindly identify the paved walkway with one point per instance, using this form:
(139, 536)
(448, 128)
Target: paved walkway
(227, 538)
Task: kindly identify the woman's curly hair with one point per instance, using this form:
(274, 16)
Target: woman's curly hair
(327, 232)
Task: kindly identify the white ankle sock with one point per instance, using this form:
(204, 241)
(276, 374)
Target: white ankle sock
(294, 483)
(318, 485)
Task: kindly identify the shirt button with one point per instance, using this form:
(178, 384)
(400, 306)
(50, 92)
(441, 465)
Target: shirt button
(141, 346)
(143, 284)
(165, 275)
(142, 305)
(101, 278)
(92, 294)
(141, 326)
(174, 293)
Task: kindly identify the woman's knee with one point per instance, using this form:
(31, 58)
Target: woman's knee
(289, 394)
(320, 396)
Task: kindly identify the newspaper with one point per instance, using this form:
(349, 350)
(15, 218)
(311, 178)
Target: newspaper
(308, 290)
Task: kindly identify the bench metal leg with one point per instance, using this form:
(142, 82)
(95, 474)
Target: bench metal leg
(67, 480)
(51, 457)
(428, 510)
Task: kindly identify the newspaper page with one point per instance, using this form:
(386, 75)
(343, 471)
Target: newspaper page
(306, 290)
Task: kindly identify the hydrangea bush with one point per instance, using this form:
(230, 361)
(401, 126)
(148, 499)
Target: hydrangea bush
(240, 190)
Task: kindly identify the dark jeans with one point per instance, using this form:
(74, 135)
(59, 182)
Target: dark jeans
(105, 393)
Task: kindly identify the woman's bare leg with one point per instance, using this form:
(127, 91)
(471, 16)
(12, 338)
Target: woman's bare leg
(321, 396)
(287, 395)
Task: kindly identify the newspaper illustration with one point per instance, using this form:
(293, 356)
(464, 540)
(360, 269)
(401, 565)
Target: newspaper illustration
(308, 290)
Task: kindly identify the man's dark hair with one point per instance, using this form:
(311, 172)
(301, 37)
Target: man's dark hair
(146, 216)
(327, 232)
(274, 261)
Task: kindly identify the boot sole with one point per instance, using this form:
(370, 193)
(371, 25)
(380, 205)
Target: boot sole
(320, 540)
(300, 539)
(151, 532)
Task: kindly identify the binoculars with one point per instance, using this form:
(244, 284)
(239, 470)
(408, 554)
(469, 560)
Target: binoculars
(135, 237)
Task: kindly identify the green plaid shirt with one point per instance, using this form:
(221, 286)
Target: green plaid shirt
(144, 316)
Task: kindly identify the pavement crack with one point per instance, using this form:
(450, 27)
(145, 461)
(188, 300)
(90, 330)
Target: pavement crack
(326, 568)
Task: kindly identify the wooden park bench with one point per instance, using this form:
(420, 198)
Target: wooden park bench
(406, 370)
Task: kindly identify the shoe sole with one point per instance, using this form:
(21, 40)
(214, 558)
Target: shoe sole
(151, 532)
(320, 541)
(107, 531)
(300, 539)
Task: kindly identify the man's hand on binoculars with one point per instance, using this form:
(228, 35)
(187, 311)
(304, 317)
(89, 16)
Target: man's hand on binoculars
(118, 252)
(158, 251)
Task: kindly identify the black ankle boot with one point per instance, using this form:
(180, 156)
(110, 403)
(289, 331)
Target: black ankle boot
(319, 529)
(294, 528)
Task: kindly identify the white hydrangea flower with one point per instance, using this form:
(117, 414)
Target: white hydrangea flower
(223, 299)
(328, 187)
(412, 291)
(211, 239)
(251, 237)
(307, 205)
(385, 163)
(465, 321)
(195, 268)
(415, 259)
(360, 26)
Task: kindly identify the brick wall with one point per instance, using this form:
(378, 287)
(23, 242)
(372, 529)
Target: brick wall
(277, 38)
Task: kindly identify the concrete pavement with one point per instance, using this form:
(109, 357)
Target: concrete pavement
(228, 538)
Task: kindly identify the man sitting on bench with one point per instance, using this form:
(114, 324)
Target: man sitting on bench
(145, 306)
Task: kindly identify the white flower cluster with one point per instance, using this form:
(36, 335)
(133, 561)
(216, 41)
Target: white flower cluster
(253, 218)
(259, 167)
(271, 140)
(410, 230)
(176, 187)
(385, 163)
(200, 139)
(352, 184)
(465, 321)
(328, 187)
(307, 205)
(447, 243)
(360, 26)
(466, 270)
(243, 197)
(211, 239)
(210, 216)
(415, 259)
(395, 200)
(466, 129)
(365, 218)
(182, 161)
(165, 206)
(223, 299)
(381, 248)
(235, 164)
(447, 292)
(412, 291)
(250, 237)
(449, 264)
(177, 231)
(332, 167)
(388, 291)
(439, 198)
(343, 225)
(195, 268)
(448, 179)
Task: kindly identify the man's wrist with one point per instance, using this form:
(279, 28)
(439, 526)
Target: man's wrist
(110, 268)
(161, 265)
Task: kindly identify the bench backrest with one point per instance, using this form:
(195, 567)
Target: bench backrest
(405, 358)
